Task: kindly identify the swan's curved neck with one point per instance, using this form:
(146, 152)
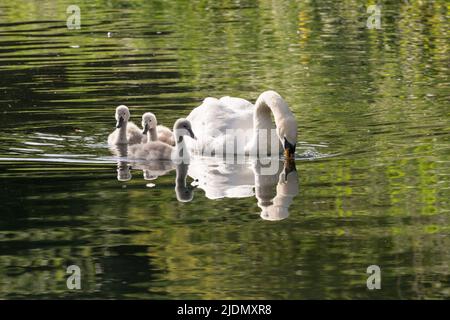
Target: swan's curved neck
(152, 134)
(122, 136)
(270, 103)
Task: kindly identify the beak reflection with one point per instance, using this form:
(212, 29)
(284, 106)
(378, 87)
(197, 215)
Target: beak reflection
(289, 149)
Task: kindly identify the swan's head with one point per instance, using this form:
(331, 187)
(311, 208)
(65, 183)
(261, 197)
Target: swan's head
(122, 115)
(148, 122)
(287, 132)
(183, 127)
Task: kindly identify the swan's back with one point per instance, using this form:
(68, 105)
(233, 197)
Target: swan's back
(237, 104)
(214, 117)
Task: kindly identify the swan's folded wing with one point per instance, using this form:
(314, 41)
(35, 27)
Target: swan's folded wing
(236, 104)
(215, 123)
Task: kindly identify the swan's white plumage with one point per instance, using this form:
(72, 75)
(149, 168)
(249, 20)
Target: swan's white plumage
(214, 117)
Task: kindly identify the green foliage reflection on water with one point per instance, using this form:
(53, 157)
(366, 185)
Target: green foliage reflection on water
(375, 99)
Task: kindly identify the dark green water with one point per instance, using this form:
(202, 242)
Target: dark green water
(373, 166)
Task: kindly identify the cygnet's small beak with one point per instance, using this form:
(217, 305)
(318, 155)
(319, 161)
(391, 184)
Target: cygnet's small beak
(145, 129)
(289, 149)
(119, 123)
(191, 134)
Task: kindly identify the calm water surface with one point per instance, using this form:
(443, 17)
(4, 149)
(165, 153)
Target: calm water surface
(372, 179)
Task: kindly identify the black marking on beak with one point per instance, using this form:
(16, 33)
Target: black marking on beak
(191, 133)
(289, 149)
(145, 129)
(119, 123)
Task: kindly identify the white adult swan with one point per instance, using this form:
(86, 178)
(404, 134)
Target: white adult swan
(126, 131)
(154, 131)
(157, 150)
(221, 123)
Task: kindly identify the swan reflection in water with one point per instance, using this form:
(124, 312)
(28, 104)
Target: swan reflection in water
(273, 182)
(286, 181)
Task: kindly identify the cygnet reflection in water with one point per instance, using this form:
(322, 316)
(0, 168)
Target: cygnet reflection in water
(155, 169)
(151, 170)
(123, 166)
(273, 182)
(184, 192)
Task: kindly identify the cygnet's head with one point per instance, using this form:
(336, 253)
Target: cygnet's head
(148, 122)
(122, 115)
(182, 127)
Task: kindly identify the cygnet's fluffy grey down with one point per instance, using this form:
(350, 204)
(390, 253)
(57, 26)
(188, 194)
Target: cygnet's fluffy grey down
(157, 150)
(126, 132)
(153, 150)
(165, 135)
(154, 132)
